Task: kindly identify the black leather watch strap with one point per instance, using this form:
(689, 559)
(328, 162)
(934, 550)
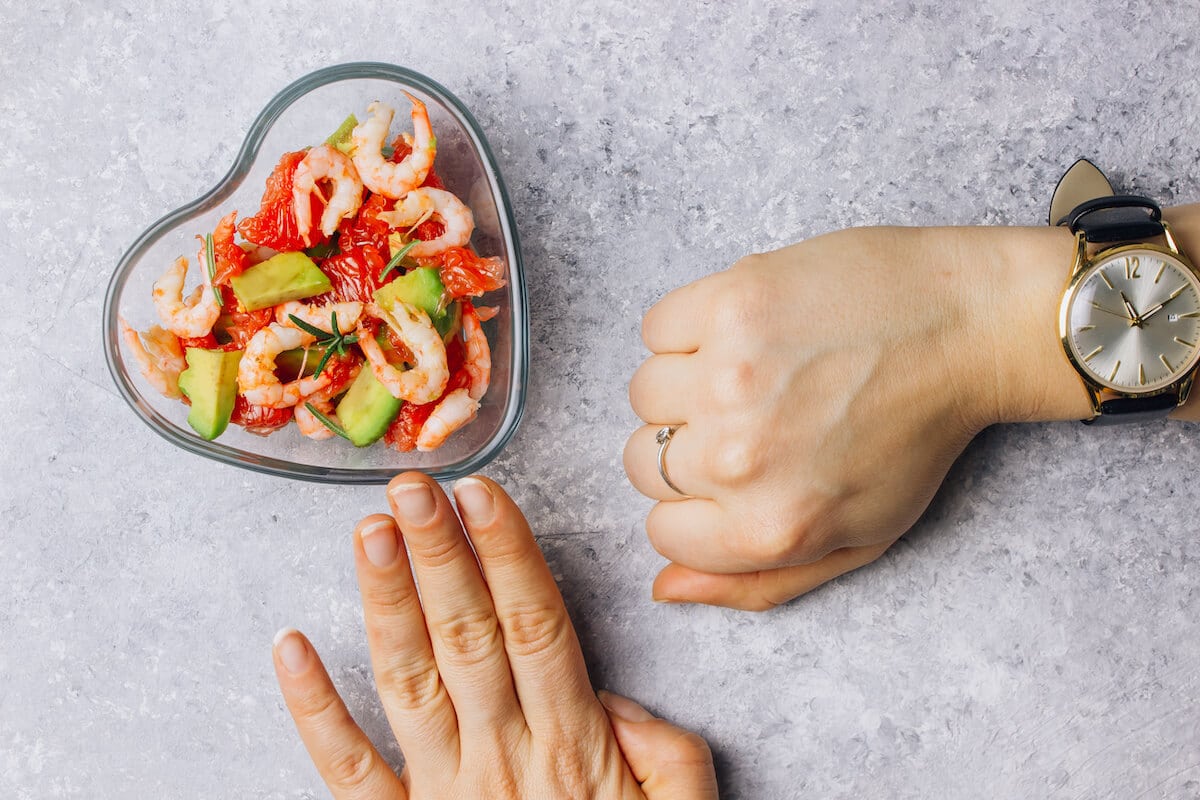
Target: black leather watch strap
(1135, 409)
(1116, 218)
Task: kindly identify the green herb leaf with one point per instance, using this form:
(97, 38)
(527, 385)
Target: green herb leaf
(395, 260)
(327, 422)
(388, 151)
(210, 262)
(324, 360)
(307, 328)
(332, 341)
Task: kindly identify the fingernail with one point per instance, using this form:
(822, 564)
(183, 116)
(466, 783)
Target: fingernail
(380, 543)
(623, 707)
(666, 600)
(475, 501)
(293, 652)
(414, 502)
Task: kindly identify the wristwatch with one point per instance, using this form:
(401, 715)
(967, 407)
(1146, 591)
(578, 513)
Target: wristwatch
(1130, 315)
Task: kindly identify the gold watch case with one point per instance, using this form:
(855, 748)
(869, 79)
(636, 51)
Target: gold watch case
(1097, 390)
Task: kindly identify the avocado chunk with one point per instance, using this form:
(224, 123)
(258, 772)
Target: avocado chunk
(367, 409)
(422, 288)
(341, 137)
(298, 363)
(282, 277)
(210, 383)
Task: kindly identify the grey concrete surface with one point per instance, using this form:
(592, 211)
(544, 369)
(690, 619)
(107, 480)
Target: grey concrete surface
(1036, 635)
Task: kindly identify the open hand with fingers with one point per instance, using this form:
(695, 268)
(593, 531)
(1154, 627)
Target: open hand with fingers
(481, 675)
(819, 394)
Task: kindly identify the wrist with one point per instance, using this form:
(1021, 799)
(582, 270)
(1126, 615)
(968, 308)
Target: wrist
(1034, 382)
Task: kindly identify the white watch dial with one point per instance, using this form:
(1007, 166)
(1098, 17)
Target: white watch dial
(1134, 321)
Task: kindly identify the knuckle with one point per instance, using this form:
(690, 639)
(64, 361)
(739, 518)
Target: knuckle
(470, 638)
(571, 772)
(351, 769)
(534, 630)
(317, 705)
(391, 596)
(436, 552)
(411, 687)
(733, 385)
(686, 748)
(735, 460)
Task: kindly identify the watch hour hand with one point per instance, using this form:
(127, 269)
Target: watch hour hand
(1134, 317)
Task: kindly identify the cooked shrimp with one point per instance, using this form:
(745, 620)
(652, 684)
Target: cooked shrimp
(421, 204)
(159, 355)
(456, 409)
(193, 318)
(478, 361)
(257, 253)
(256, 372)
(386, 177)
(426, 381)
(319, 315)
(308, 423)
(325, 164)
(322, 400)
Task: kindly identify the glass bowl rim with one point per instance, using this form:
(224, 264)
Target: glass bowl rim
(237, 172)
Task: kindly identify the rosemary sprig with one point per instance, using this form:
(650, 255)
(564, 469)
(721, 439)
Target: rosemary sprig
(210, 262)
(332, 341)
(327, 422)
(395, 260)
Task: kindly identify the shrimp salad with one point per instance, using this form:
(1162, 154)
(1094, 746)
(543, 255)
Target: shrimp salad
(346, 304)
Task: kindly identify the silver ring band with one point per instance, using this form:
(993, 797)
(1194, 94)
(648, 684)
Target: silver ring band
(663, 437)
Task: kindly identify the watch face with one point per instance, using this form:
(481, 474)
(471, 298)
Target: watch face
(1134, 321)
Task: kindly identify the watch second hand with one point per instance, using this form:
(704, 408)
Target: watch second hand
(1125, 316)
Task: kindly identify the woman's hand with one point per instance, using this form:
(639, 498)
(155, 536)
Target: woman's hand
(480, 675)
(825, 389)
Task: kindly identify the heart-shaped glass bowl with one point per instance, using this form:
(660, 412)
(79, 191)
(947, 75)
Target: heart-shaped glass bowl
(304, 114)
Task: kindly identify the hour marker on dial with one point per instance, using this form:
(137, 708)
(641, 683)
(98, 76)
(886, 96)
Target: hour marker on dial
(1185, 342)
(1142, 374)
(1094, 353)
(1161, 270)
(1086, 328)
(1166, 363)
(1116, 367)
(1104, 278)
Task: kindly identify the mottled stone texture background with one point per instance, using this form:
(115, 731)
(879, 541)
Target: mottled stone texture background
(1035, 635)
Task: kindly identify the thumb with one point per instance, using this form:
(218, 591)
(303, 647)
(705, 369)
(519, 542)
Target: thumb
(669, 762)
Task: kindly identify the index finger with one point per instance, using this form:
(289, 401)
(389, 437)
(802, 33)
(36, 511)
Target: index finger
(543, 652)
(671, 324)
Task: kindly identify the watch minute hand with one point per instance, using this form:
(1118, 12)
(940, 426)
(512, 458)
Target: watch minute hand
(1150, 313)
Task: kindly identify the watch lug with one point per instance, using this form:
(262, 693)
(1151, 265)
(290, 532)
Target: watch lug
(1174, 248)
(1185, 387)
(1080, 254)
(1094, 396)
(1083, 181)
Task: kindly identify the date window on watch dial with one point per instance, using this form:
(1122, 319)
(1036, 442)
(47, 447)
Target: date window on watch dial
(1172, 317)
